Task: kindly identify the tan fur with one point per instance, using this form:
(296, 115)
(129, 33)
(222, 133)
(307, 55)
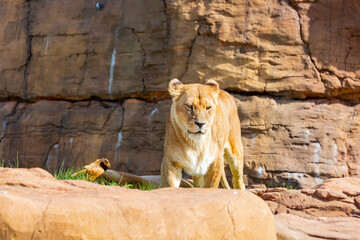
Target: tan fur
(200, 149)
(95, 169)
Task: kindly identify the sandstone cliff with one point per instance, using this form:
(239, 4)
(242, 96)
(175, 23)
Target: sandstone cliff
(77, 84)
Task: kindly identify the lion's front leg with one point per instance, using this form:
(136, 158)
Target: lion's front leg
(235, 161)
(213, 175)
(170, 174)
(198, 181)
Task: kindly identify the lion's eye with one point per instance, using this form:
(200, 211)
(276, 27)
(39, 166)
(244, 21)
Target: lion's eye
(208, 108)
(189, 106)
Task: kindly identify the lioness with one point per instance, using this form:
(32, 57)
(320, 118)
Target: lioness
(203, 127)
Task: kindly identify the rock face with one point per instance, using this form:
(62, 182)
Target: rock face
(70, 50)
(78, 84)
(52, 209)
(327, 211)
(297, 143)
(287, 142)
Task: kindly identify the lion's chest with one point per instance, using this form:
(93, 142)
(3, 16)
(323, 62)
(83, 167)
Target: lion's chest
(198, 162)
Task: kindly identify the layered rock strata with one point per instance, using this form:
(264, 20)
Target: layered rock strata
(328, 211)
(69, 75)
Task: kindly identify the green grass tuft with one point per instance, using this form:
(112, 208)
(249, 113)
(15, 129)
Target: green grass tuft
(65, 174)
(146, 187)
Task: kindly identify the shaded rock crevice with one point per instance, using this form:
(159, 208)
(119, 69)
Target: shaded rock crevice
(5, 122)
(29, 49)
(144, 59)
(191, 46)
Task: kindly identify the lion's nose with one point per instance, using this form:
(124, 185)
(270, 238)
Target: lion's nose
(200, 124)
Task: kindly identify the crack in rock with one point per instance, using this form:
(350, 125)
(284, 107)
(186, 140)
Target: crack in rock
(190, 52)
(144, 59)
(29, 50)
(40, 225)
(305, 43)
(229, 208)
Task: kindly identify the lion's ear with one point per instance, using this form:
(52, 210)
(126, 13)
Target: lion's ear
(175, 88)
(214, 85)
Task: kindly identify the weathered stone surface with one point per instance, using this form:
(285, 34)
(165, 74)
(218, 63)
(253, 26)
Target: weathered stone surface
(292, 227)
(78, 52)
(250, 46)
(143, 134)
(13, 47)
(357, 202)
(69, 50)
(299, 143)
(349, 186)
(326, 200)
(287, 142)
(50, 133)
(52, 209)
(331, 31)
(322, 212)
(329, 195)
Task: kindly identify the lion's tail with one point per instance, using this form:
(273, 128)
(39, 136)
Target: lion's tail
(77, 173)
(223, 180)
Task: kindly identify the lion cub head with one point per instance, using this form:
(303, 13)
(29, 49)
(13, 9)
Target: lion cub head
(194, 106)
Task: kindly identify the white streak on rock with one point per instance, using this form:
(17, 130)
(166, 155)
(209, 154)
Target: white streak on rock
(113, 59)
(118, 142)
(318, 180)
(48, 40)
(296, 176)
(48, 160)
(253, 135)
(307, 135)
(112, 64)
(335, 152)
(260, 171)
(155, 110)
(316, 156)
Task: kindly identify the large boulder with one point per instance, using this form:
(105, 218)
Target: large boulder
(35, 205)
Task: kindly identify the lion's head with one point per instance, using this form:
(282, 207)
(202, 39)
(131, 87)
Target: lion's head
(194, 106)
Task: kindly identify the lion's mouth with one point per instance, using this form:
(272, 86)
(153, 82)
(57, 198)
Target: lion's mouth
(198, 132)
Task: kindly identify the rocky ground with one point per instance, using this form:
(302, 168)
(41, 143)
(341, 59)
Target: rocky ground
(59, 209)
(327, 211)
